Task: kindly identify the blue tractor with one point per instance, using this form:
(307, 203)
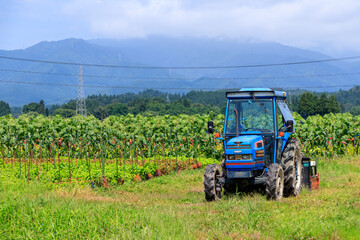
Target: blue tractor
(258, 146)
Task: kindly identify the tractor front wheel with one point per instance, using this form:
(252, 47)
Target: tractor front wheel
(274, 185)
(212, 186)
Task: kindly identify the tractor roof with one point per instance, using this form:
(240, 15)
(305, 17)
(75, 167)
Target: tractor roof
(257, 92)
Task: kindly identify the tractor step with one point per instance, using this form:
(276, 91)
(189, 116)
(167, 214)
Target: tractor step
(310, 175)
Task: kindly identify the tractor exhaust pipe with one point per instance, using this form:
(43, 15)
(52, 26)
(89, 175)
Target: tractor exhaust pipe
(237, 122)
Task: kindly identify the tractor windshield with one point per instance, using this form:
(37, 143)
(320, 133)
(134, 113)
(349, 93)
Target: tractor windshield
(254, 115)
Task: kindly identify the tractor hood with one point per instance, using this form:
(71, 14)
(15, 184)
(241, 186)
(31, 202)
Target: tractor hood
(244, 140)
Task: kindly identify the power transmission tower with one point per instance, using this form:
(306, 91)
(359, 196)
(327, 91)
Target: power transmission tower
(80, 103)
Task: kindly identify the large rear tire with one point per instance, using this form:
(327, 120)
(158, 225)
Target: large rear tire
(212, 186)
(291, 162)
(274, 185)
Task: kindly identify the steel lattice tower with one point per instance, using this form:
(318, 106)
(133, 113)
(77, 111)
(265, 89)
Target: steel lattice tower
(80, 103)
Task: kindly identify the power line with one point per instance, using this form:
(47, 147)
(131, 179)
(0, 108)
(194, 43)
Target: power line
(315, 87)
(93, 76)
(163, 88)
(103, 86)
(183, 67)
(182, 78)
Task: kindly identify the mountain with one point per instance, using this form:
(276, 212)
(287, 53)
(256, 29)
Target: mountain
(69, 50)
(159, 51)
(163, 51)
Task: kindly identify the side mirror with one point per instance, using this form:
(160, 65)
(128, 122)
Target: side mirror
(210, 127)
(290, 125)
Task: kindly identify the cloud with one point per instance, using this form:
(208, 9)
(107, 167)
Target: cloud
(328, 25)
(303, 23)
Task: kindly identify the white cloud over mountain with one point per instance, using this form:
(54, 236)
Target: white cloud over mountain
(328, 25)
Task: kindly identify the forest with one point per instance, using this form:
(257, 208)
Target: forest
(157, 103)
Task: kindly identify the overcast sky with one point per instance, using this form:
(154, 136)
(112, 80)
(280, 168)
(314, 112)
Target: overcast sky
(327, 25)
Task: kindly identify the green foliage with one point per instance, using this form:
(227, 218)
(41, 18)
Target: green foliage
(4, 108)
(173, 207)
(355, 110)
(149, 102)
(66, 113)
(117, 109)
(85, 171)
(310, 104)
(332, 134)
(35, 107)
(168, 136)
(151, 137)
(130, 135)
(349, 98)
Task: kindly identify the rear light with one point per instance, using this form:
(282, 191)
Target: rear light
(259, 144)
(259, 153)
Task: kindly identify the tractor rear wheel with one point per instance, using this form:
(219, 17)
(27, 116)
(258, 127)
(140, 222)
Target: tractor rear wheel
(274, 184)
(291, 163)
(212, 186)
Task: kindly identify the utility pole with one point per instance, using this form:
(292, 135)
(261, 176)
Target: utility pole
(80, 102)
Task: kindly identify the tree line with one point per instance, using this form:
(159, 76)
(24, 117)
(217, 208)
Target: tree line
(152, 102)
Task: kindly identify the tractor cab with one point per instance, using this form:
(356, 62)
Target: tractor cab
(258, 124)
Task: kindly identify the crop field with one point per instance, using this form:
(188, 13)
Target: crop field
(81, 178)
(128, 148)
(116, 150)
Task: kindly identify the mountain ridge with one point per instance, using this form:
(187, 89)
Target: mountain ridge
(160, 51)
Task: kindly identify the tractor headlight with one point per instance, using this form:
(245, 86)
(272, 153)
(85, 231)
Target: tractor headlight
(239, 157)
(246, 157)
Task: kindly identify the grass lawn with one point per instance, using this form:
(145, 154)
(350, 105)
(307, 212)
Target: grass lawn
(174, 207)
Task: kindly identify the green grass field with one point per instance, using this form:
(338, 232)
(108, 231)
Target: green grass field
(174, 207)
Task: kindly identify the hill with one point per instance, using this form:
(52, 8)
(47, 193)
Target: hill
(70, 50)
(158, 51)
(164, 51)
